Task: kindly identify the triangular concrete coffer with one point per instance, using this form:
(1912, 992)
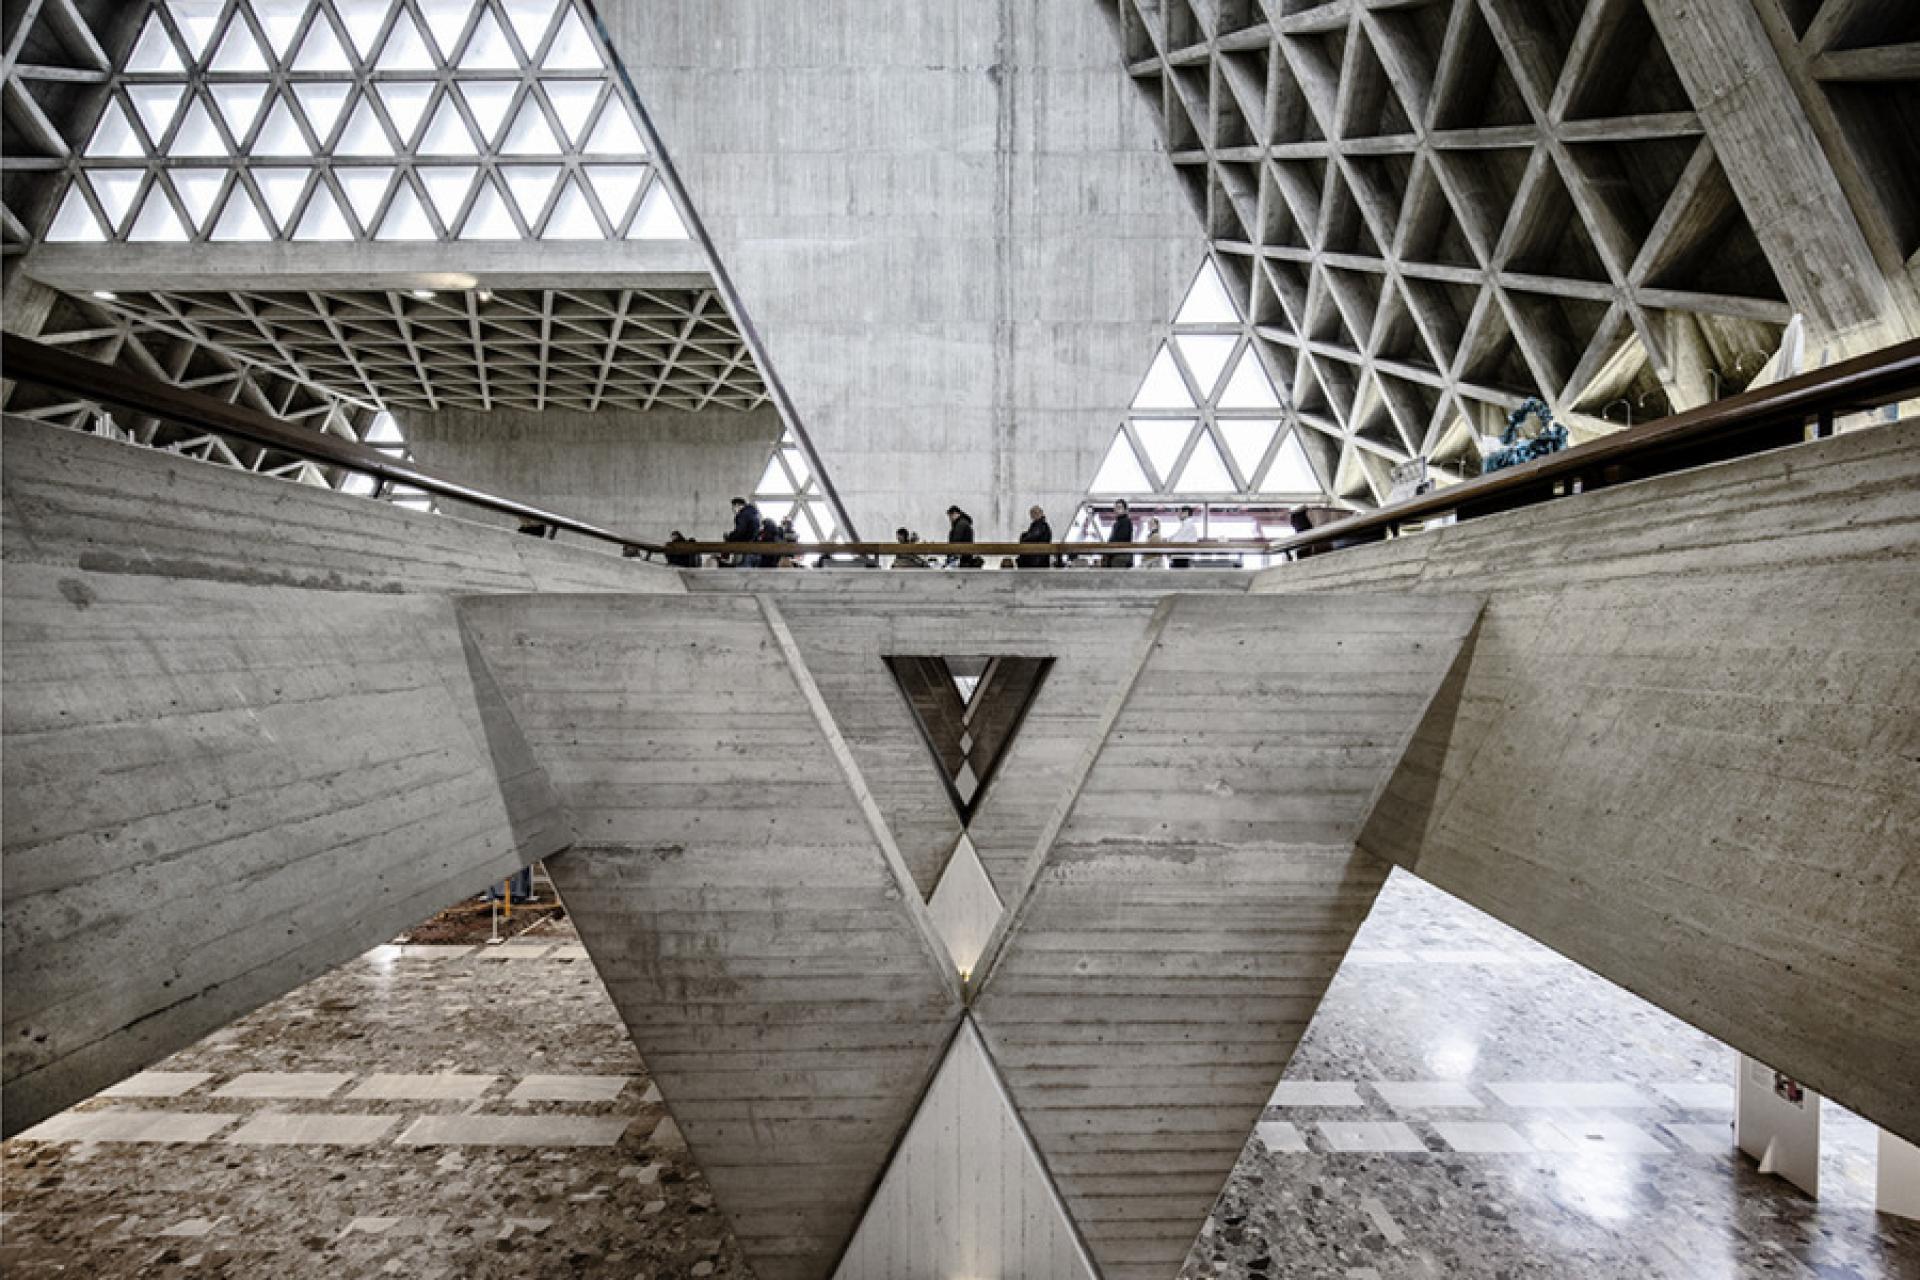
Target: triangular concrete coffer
(965, 1195)
(968, 710)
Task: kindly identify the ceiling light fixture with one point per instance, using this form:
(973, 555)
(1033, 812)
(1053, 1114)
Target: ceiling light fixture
(423, 294)
(106, 295)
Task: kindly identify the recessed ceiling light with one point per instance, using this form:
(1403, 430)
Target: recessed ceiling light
(423, 294)
(486, 295)
(106, 295)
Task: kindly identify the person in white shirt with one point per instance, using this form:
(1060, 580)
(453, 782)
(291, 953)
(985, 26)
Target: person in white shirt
(1188, 531)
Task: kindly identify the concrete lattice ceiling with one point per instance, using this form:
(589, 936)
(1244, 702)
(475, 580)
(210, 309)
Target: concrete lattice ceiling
(220, 129)
(1433, 210)
(580, 349)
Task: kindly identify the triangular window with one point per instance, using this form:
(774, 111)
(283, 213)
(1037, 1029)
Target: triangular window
(1291, 472)
(406, 217)
(573, 48)
(968, 710)
(1207, 301)
(116, 189)
(1121, 472)
(1164, 388)
(156, 221)
(1206, 356)
(154, 53)
(1249, 387)
(1206, 470)
(657, 218)
(199, 191)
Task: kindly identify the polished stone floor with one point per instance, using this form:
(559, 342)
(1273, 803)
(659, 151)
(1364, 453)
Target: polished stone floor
(1466, 1104)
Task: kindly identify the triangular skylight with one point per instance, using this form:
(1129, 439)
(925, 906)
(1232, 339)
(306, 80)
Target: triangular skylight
(1206, 471)
(1207, 301)
(1164, 388)
(1121, 472)
(1291, 472)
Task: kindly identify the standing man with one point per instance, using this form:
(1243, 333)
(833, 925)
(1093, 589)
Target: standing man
(1037, 531)
(746, 528)
(961, 530)
(1189, 531)
(1122, 531)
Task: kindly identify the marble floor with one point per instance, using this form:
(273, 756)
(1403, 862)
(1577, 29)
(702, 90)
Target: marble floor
(1466, 1104)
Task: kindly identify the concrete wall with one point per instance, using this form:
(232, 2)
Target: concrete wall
(1685, 747)
(1196, 894)
(243, 742)
(1091, 623)
(950, 222)
(641, 474)
(760, 937)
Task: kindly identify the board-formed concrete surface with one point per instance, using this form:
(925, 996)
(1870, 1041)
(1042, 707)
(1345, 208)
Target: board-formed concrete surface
(1174, 924)
(1684, 747)
(242, 742)
(1185, 917)
(768, 949)
(1090, 622)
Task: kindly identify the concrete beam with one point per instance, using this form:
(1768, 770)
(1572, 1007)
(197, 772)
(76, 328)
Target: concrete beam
(334, 267)
(1686, 756)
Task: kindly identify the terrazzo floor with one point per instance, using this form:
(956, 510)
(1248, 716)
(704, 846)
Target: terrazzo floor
(1466, 1104)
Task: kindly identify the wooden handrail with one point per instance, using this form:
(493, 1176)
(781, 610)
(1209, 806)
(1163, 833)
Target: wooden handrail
(24, 360)
(1878, 378)
(940, 550)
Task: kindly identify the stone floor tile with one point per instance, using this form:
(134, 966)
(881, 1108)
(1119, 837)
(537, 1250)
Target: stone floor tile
(1281, 1137)
(325, 1130)
(1369, 1135)
(447, 1086)
(1482, 1137)
(158, 1084)
(283, 1084)
(1418, 1094)
(514, 1131)
(568, 1089)
(1571, 1095)
(1315, 1093)
(1615, 1137)
(126, 1125)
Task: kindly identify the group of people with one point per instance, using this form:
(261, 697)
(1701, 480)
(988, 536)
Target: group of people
(749, 526)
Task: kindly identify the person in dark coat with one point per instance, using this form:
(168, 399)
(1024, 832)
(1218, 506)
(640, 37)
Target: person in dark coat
(680, 559)
(1037, 531)
(1122, 531)
(746, 528)
(961, 530)
(769, 532)
(907, 560)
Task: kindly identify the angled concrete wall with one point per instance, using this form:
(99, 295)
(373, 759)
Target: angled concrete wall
(762, 940)
(242, 742)
(1685, 747)
(951, 223)
(642, 474)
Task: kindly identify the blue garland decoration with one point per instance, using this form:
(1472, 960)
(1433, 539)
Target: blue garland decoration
(1516, 448)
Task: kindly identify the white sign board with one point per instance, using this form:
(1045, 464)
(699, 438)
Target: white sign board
(1409, 480)
(1777, 1122)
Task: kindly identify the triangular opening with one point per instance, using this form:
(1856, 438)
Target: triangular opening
(1012, 1223)
(1163, 388)
(1206, 471)
(1248, 440)
(1164, 440)
(1120, 471)
(1291, 472)
(656, 218)
(968, 735)
(1207, 301)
